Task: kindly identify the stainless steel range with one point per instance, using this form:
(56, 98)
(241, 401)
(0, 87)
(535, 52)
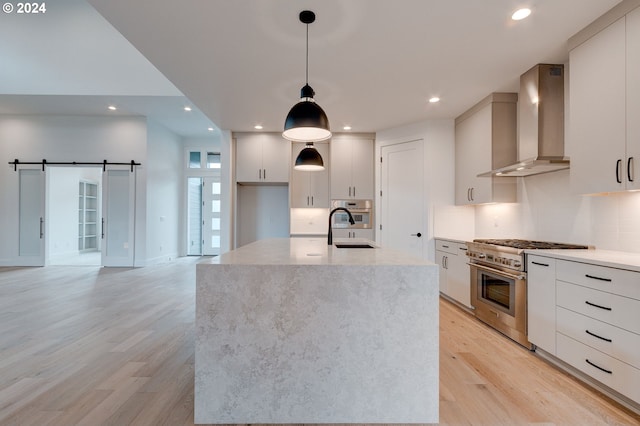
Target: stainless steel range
(499, 283)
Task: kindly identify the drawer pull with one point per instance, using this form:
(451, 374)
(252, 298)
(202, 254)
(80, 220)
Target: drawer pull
(599, 337)
(597, 306)
(540, 264)
(445, 246)
(598, 278)
(598, 367)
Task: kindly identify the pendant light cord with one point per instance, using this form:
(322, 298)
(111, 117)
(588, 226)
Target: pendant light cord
(307, 70)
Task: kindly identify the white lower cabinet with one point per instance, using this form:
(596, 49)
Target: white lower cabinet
(454, 275)
(609, 371)
(593, 313)
(353, 233)
(541, 301)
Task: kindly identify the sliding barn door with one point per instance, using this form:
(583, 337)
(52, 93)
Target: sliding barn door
(31, 217)
(118, 217)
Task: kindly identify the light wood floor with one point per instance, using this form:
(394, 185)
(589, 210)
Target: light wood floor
(92, 346)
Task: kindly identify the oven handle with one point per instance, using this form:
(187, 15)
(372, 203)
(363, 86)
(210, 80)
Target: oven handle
(497, 271)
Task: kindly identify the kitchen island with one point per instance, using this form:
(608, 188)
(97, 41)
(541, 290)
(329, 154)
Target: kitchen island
(296, 331)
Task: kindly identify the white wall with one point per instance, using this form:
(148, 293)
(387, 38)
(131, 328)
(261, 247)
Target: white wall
(164, 194)
(67, 138)
(443, 219)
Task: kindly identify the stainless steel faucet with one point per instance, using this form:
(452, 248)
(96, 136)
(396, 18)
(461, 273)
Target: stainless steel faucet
(351, 221)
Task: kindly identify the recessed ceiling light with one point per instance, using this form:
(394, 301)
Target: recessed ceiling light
(520, 14)
(187, 108)
(258, 127)
(210, 129)
(346, 128)
(434, 99)
(112, 107)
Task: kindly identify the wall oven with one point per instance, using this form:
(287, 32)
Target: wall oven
(361, 210)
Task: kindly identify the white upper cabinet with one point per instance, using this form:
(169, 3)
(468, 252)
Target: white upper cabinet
(262, 158)
(310, 189)
(486, 140)
(633, 97)
(352, 165)
(605, 106)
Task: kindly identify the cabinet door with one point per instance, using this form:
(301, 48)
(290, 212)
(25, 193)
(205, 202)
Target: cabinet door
(459, 278)
(473, 156)
(300, 180)
(249, 158)
(633, 98)
(276, 152)
(319, 181)
(597, 113)
(362, 163)
(541, 301)
(441, 260)
(340, 169)
(353, 233)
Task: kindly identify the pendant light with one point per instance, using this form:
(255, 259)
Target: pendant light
(306, 122)
(309, 159)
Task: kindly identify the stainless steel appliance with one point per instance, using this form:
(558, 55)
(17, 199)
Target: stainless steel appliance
(499, 283)
(540, 143)
(361, 210)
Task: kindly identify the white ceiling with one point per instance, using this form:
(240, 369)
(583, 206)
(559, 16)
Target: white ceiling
(372, 63)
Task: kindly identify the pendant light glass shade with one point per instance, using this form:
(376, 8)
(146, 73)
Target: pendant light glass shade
(306, 121)
(309, 159)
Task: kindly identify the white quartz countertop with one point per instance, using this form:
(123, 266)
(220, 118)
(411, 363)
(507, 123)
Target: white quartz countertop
(313, 251)
(610, 258)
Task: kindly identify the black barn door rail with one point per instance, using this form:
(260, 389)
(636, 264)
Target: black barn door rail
(44, 163)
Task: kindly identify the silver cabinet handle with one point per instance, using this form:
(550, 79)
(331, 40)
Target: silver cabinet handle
(103, 228)
(349, 191)
(417, 235)
(41, 228)
(354, 191)
(312, 200)
(264, 173)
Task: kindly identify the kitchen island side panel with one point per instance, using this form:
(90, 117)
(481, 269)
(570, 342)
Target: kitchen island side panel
(316, 344)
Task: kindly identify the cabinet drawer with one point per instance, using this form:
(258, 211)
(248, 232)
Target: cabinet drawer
(610, 308)
(616, 342)
(617, 281)
(619, 376)
(451, 247)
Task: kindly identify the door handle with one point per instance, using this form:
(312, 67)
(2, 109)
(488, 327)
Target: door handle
(618, 164)
(41, 228)
(103, 228)
(417, 235)
(629, 169)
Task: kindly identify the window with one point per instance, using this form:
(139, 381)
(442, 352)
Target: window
(213, 160)
(194, 160)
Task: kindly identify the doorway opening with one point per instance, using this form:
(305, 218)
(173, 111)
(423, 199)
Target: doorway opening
(204, 205)
(74, 216)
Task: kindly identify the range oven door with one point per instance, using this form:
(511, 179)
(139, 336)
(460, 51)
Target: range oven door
(499, 299)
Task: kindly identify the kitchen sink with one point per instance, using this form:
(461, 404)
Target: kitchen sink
(354, 246)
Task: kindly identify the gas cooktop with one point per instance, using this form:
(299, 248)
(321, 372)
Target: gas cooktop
(528, 244)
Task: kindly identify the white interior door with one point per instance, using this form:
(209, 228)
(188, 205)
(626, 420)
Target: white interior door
(31, 247)
(211, 209)
(402, 202)
(118, 217)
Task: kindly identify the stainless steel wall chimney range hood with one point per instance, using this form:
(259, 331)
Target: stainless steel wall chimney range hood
(540, 144)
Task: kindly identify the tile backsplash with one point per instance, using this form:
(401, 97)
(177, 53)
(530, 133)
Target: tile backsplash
(547, 210)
